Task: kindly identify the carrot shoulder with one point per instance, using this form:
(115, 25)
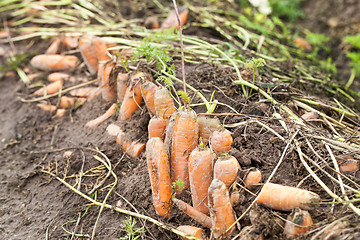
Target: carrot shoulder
(131, 101)
(97, 121)
(99, 49)
(222, 216)
(184, 140)
(252, 178)
(164, 104)
(159, 171)
(85, 47)
(192, 231)
(221, 141)
(54, 62)
(156, 127)
(148, 90)
(201, 163)
(207, 126)
(108, 85)
(286, 198)
(226, 169)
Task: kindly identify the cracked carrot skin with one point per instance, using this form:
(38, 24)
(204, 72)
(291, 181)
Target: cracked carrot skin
(201, 162)
(198, 216)
(131, 102)
(108, 89)
(99, 48)
(226, 169)
(164, 104)
(54, 62)
(221, 141)
(148, 90)
(285, 198)
(159, 171)
(207, 126)
(221, 213)
(184, 141)
(99, 120)
(53, 87)
(89, 57)
(297, 223)
(122, 80)
(192, 231)
(156, 127)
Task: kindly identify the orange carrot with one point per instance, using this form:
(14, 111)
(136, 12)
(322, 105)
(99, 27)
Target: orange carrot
(184, 140)
(252, 178)
(66, 101)
(156, 127)
(54, 62)
(107, 85)
(54, 46)
(221, 213)
(303, 44)
(286, 198)
(148, 90)
(85, 46)
(49, 89)
(201, 162)
(152, 23)
(198, 216)
(168, 135)
(164, 104)
(171, 20)
(226, 169)
(221, 141)
(192, 232)
(56, 76)
(207, 126)
(131, 101)
(235, 198)
(70, 42)
(113, 130)
(159, 171)
(133, 149)
(99, 49)
(122, 80)
(297, 223)
(86, 92)
(99, 120)
(51, 108)
(348, 164)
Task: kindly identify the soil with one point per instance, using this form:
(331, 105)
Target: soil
(34, 205)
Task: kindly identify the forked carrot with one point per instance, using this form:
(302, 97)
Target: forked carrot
(207, 126)
(99, 120)
(297, 223)
(148, 90)
(131, 101)
(159, 171)
(171, 20)
(86, 92)
(89, 57)
(108, 85)
(221, 213)
(122, 80)
(56, 76)
(192, 232)
(286, 198)
(198, 216)
(226, 169)
(51, 108)
(164, 104)
(133, 149)
(54, 46)
(252, 178)
(201, 162)
(49, 89)
(54, 62)
(184, 141)
(221, 141)
(99, 49)
(156, 127)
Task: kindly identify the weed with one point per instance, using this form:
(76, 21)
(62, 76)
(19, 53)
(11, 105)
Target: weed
(16, 62)
(254, 64)
(354, 55)
(129, 228)
(288, 9)
(178, 185)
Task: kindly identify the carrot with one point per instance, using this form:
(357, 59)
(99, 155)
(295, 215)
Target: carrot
(201, 162)
(303, 44)
(121, 85)
(54, 46)
(156, 127)
(348, 164)
(236, 198)
(148, 90)
(221, 213)
(49, 89)
(221, 141)
(131, 101)
(207, 126)
(86, 92)
(171, 20)
(168, 135)
(286, 198)
(159, 171)
(184, 140)
(192, 232)
(99, 49)
(66, 101)
(70, 42)
(113, 130)
(252, 178)
(85, 47)
(56, 76)
(133, 149)
(51, 108)
(107, 85)
(54, 62)
(226, 169)
(297, 223)
(164, 104)
(99, 120)
(198, 216)
(152, 23)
